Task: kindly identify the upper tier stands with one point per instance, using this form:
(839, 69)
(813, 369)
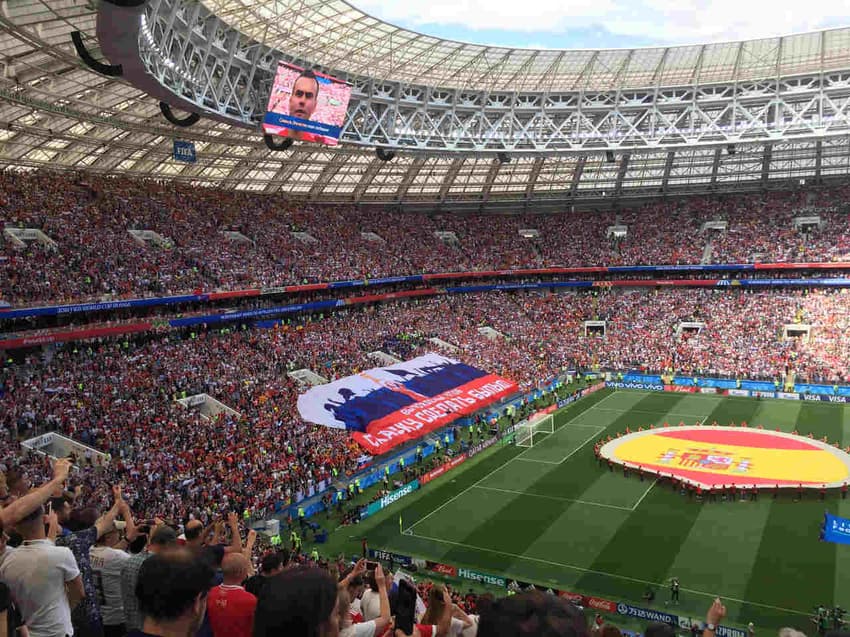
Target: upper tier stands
(89, 219)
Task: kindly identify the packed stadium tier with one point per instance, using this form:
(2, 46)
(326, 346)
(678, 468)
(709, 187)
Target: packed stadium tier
(120, 396)
(717, 457)
(71, 237)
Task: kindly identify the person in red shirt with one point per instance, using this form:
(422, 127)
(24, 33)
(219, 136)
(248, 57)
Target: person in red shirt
(229, 606)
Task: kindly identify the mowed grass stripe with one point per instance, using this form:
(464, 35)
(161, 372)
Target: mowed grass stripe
(517, 526)
(383, 529)
(584, 531)
(516, 521)
(718, 555)
(723, 524)
(778, 414)
(793, 569)
(647, 544)
(841, 593)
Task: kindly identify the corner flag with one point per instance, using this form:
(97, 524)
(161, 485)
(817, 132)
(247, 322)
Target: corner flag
(400, 526)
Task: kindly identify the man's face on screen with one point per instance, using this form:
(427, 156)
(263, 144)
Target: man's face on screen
(302, 102)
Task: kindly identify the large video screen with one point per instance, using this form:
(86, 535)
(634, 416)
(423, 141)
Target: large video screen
(306, 106)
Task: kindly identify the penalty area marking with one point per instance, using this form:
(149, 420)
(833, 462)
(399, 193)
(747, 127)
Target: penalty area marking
(582, 569)
(673, 414)
(409, 530)
(555, 497)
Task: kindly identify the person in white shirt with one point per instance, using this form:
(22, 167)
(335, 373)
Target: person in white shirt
(106, 561)
(37, 573)
(370, 628)
(370, 601)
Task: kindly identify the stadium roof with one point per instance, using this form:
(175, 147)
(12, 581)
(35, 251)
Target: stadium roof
(337, 35)
(57, 113)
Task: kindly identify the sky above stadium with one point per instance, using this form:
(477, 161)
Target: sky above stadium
(607, 23)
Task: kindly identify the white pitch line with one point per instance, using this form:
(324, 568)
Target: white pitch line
(533, 460)
(645, 493)
(674, 414)
(654, 482)
(409, 529)
(554, 497)
(599, 430)
(577, 425)
(582, 569)
(595, 406)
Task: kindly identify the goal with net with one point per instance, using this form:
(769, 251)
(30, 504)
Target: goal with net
(530, 433)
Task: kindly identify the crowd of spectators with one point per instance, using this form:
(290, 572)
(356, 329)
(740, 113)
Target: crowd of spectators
(154, 554)
(93, 255)
(119, 396)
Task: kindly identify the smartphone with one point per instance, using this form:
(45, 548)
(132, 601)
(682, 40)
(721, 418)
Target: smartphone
(405, 607)
(49, 507)
(371, 566)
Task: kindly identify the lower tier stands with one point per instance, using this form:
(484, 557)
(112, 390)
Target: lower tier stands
(119, 396)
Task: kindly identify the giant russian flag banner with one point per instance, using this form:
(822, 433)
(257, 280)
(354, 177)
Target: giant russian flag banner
(386, 406)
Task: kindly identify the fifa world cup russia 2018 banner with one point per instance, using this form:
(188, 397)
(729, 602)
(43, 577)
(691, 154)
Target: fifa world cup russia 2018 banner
(386, 406)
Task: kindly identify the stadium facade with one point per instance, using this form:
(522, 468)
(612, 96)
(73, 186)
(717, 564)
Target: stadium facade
(471, 126)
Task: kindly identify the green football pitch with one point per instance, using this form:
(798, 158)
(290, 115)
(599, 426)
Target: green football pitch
(552, 516)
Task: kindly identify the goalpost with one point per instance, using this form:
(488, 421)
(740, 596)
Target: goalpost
(528, 433)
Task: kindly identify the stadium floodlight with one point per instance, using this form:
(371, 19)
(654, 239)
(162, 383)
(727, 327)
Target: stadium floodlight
(384, 154)
(277, 146)
(187, 121)
(111, 70)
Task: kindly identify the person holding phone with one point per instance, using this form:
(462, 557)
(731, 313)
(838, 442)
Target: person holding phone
(371, 627)
(355, 584)
(370, 601)
(440, 603)
(404, 612)
(28, 502)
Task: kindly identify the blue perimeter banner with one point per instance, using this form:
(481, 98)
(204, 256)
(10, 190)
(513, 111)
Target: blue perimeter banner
(388, 499)
(648, 614)
(184, 151)
(835, 529)
(300, 124)
(387, 556)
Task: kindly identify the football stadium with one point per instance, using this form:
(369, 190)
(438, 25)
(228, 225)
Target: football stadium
(314, 323)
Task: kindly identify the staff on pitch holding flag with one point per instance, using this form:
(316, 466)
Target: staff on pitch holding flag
(674, 590)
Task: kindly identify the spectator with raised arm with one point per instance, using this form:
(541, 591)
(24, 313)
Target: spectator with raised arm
(38, 575)
(107, 560)
(372, 626)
